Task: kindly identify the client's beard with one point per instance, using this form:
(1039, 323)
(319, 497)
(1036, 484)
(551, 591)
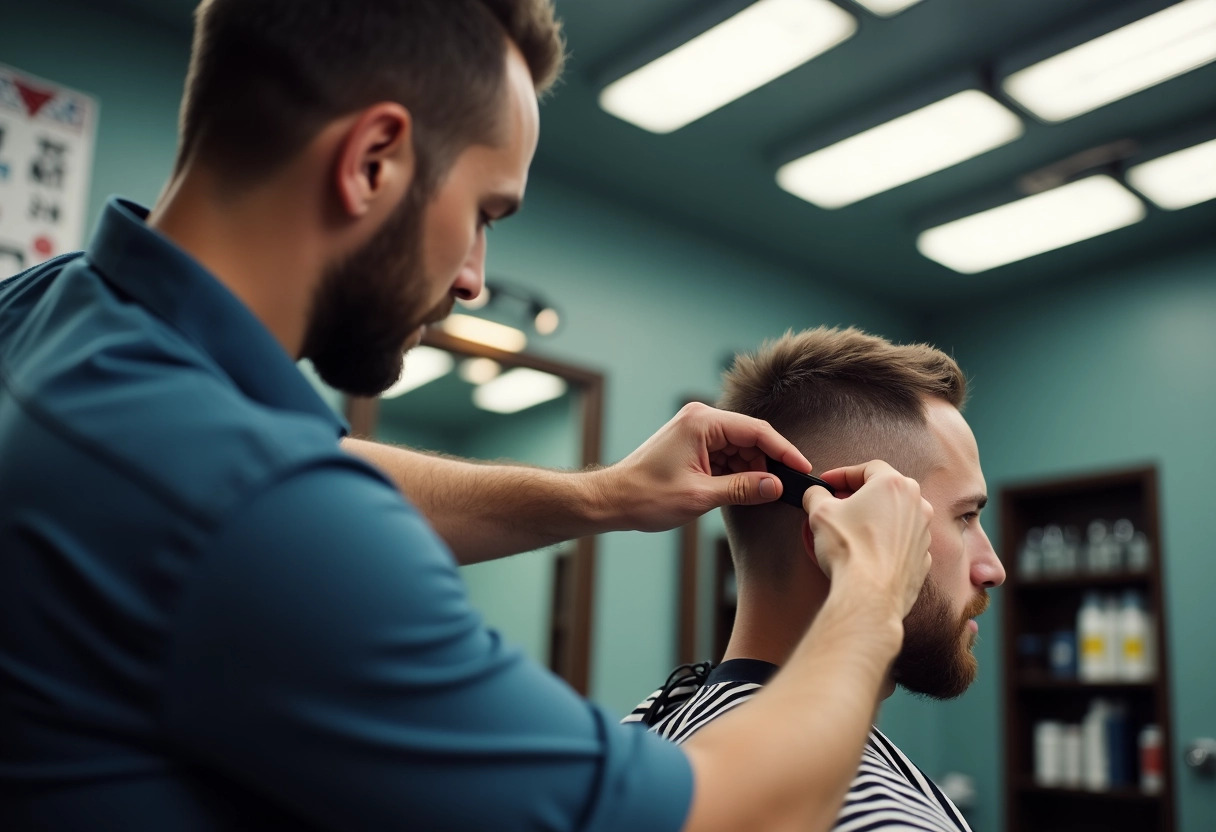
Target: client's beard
(936, 659)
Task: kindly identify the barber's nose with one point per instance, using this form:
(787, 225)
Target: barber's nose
(472, 277)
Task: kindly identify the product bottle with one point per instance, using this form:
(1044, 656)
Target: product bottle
(1030, 558)
(1096, 753)
(1048, 753)
(1053, 550)
(1138, 553)
(1093, 639)
(1095, 546)
(1133, 638)
(1152, 775)
(1118, 747)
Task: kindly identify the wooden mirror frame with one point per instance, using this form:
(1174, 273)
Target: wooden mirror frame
(575, 661)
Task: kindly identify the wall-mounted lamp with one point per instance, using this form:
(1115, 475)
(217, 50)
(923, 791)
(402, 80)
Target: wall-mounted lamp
(506, 305)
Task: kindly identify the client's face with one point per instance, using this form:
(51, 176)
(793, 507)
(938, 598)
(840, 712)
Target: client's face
(939, 633)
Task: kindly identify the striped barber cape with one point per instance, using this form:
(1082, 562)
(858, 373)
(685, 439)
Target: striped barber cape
(889, 792)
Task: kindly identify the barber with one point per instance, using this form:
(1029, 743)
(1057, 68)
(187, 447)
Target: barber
(214, 614)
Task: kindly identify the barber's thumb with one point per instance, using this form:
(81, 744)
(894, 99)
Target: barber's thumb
(750, 488)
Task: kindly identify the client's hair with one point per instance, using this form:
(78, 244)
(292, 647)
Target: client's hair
(842, 397)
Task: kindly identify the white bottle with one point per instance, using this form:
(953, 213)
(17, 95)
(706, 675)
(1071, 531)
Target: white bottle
(1093, 641)
(1048, 753)
(1096, 753)
(1134, 665)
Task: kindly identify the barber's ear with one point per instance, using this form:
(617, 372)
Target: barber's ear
(376, 159)
(808, 543)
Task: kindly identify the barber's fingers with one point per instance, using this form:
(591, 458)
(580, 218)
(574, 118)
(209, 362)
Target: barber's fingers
(881, 533)
(728, 433)
(814, 497)
(745, 489)
(853, 477)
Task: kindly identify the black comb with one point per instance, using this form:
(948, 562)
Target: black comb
(794, 483)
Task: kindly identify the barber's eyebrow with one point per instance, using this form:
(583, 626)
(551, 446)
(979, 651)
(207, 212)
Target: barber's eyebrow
(975, 502)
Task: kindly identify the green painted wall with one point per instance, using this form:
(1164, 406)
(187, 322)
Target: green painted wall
(1116, 371)
(136, 69)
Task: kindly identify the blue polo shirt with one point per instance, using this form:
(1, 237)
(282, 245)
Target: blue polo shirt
(213, 618)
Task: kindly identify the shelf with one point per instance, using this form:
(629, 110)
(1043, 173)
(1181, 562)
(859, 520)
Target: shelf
(1084, 580)
(1129, 794)
(1045, 682)
(1049, 603)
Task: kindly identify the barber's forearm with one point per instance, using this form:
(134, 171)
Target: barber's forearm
(485, 511)
(785, 760)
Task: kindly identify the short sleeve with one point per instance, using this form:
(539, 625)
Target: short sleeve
(326, 657)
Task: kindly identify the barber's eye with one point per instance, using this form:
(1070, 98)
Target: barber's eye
(970, 516)
(485, 221)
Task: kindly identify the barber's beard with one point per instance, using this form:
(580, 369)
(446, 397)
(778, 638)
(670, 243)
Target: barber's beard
(936, 659)
(367, 307)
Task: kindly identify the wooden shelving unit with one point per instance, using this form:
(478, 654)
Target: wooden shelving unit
(1048, 603)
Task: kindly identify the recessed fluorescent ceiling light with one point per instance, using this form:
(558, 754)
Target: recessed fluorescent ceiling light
(517, 390)
(886, 8)
(1180, 179)
(421, 365)
(1151, 50)
(917, 144)
(760, 43)
(505, 338)
(1030, 226)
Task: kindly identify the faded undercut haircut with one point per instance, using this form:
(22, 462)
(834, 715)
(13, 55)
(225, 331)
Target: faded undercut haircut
(842, 397)
(266, 75)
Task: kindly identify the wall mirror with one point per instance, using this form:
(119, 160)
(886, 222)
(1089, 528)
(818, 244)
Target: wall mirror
(464, 401)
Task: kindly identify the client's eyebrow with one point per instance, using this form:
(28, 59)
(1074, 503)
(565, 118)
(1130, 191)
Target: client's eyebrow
(501, 206)
(975, 502)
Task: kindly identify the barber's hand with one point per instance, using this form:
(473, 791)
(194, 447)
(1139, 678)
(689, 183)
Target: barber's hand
(876, 533)
(703, 458)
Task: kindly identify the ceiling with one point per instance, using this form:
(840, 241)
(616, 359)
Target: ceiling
(716, 176)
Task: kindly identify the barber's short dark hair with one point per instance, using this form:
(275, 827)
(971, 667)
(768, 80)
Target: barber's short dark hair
(266, 75)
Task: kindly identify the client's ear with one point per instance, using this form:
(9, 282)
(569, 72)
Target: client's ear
(808, 543)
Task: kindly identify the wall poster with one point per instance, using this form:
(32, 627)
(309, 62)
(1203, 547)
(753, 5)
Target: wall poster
(46, 160)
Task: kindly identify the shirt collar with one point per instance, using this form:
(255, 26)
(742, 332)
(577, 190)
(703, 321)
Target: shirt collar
(162, 277)
(755, 671)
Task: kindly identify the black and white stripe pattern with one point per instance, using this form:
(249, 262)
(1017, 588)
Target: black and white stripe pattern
(889, 792)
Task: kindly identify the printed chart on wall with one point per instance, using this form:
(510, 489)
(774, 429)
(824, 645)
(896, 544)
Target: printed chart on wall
(46, 159)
